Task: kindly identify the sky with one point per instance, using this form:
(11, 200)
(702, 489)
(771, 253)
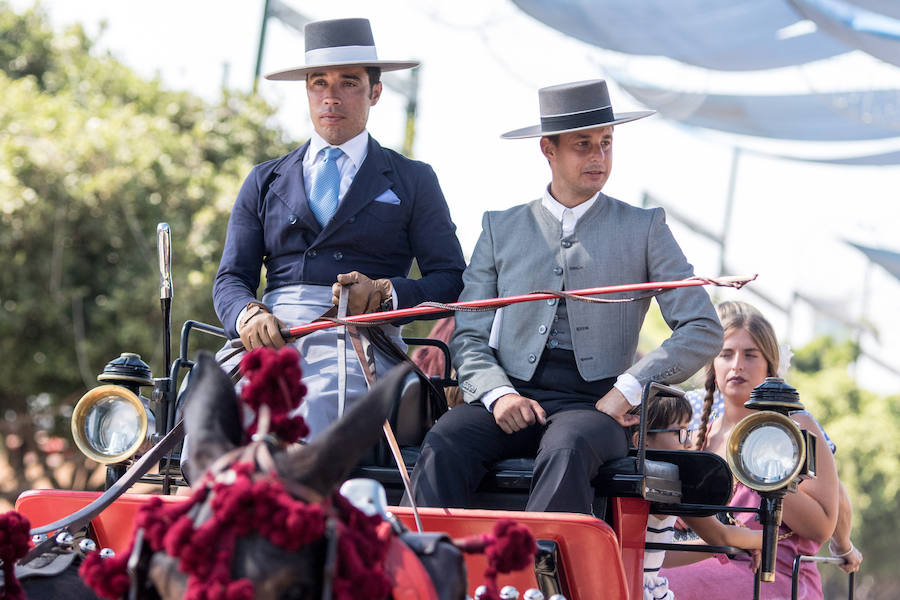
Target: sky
(482, 64)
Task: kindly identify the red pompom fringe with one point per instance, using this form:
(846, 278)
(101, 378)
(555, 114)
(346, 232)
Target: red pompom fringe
(510, 547)
(14, 544)
(108, 577)
(513, 547)
(274, 378)
(242, 507)
(361, 554)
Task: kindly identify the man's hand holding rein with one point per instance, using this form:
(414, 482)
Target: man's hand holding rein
(258, 327)
(366, 295)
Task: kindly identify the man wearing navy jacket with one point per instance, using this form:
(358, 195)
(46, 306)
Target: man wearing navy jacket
(338, 211)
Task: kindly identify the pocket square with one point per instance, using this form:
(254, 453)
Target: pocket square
(388, 197)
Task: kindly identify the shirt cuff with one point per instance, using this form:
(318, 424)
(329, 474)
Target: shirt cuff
(396, 303)
(630, 387)
(492, 396)
(238, 320)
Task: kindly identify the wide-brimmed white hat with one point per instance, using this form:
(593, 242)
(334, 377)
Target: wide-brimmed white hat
(573, 107)
(339, 43)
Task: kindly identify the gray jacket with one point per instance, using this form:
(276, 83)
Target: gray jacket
(522, 250)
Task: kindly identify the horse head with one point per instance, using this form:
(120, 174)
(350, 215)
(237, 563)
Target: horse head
(265, 520)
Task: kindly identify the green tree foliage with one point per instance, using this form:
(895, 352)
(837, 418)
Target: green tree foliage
(866, 429)
(92, 157)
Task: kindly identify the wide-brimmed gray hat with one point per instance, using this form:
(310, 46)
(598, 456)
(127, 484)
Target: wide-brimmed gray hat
(339, 43)
(573, 107)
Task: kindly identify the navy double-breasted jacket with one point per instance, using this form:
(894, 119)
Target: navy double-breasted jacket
(394, 211)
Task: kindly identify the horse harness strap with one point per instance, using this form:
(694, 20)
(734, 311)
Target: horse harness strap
(342, 351)
(258, 453)
(368, 369)
(51, 563)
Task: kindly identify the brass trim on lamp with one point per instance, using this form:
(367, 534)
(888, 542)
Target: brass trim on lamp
(82, 408)
(740, 433)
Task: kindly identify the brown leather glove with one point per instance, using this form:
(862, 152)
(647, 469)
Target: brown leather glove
(258, 327)
(366, 295)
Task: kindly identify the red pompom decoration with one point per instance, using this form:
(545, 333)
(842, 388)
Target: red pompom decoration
(108, 577)
(14, 544)
(361, 554)
(513, 548)
(274, 378)
(510, 547)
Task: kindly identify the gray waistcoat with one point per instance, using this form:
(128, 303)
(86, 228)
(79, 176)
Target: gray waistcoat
(522, 250)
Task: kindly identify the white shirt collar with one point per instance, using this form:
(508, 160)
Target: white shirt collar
(559, 211)
(355, 148)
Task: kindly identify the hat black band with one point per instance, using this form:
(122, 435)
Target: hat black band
(583, 119)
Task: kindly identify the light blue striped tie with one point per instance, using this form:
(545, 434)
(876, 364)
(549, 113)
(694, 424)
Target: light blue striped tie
(323, 196)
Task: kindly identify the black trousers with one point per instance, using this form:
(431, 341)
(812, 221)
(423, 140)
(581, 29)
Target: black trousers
(576, 441)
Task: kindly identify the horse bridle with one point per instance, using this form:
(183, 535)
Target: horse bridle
(258, 453)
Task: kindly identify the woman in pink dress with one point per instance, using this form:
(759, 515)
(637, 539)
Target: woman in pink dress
(748, 356)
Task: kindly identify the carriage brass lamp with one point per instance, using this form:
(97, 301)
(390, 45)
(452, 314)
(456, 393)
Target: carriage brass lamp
(769, 453)
(110, 423)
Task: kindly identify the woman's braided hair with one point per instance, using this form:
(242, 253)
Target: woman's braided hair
(734, 316)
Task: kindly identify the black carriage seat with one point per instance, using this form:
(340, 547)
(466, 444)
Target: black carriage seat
(508, 483)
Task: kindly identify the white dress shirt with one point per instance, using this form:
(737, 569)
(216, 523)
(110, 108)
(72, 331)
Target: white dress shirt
(625, 383)
(354, 153)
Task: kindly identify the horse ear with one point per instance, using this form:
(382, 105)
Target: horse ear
(212, 417)
(326, 461)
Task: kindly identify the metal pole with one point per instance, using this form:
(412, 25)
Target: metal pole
(262, 41)
(226, 75)
(412, 102)
(164, 252)
(863, 313)
(729, 204)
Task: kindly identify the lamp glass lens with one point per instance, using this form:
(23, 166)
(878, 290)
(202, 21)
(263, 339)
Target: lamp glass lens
(769, 453)
(112, 426)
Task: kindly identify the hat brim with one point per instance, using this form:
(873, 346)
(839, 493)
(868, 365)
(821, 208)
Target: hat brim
(300, 73)
(540, 131)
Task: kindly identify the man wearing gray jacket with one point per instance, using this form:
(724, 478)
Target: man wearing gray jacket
(554, 379)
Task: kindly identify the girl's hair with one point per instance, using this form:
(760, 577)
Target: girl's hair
(662, 413)
(734, 316)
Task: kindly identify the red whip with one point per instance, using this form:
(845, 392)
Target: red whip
(433, 308)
